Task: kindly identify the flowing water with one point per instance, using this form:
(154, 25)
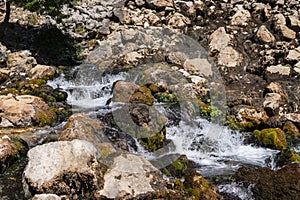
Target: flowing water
(215, 148)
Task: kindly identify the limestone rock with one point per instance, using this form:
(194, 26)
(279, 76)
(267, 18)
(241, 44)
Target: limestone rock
(294, 21)
(219, 39)
(294, 117)
(280, 25)
(42, 72)
(274, 87)
(229, 57)
(177, 21)
(264, 35)
(297, 67)
(46, 197)
(24, 111)
(124, 182)
(241, 17)
(62, 168)
(272, 102)
(160, 3)
(248, 117)
(293, 55)
(80, 126)
(279, 69)
(21, 61)
(198, 66)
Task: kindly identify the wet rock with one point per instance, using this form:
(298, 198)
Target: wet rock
(177, 21)
(129, 92)
(248, 117)
(293, 55)
(24, 111)
(271, 137)
(46, 197)
(42, 72)
(123, 182)
(291, 130)
(71, 169)
(269, 184)
(80, 126)
(229, 57)
(272, 102)
(241, 17)
(11, 149)
(264, 35)
(286, 156)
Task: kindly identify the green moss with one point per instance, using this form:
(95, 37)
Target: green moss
(154, 142)
(271, 137)
(166, 97)
(179, 165)
(45, 118)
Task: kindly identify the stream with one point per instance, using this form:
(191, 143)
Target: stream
(216, 149)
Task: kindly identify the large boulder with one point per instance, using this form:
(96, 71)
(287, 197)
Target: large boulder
(62, 168)
(24, 111)
(80, 126)
(268, 184)
(130, 176)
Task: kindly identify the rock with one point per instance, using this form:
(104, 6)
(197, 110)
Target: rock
(241, 17)
(294, 117)
(280, 25)
(11, 149)
(286, 156)
(293, 55)
(294, 22)
(229, 57)
(62, 168)
(274, 87)
(269, 184)
(291, 130)
(271, 103)
(248, 117)
(264, 35)
(271, 137)
(129, 92)
(24, 111)
(80, 126)
(42, 72)
(3, 55)
(297, 67)
(139, 2)
(46, 197)
(160, 3)
(279, 70)
(124, 182)
(177, 21)
(4, 74)
(198, 66)
(21, 61)
(219, 39)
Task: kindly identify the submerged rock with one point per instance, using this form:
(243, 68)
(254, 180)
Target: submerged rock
(62, 168)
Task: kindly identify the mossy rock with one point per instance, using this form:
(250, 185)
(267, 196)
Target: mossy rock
(166, 97)
(286, 156)
(142, 95)
(179, 168)
(291, 130)
(155, 141)
(45, 117)
(272, 137)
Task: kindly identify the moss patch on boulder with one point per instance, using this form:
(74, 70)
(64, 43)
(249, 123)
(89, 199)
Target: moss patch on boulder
(271, 137)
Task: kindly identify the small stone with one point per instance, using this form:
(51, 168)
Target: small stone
(177, 21)
(294, 22)
(198, 66)
(271, 103)
(219, 39)
(229, 57)
(160, 3)
(274, 87)
(264, 35)
(287, 32)
(241, 17)
(279, 69)
(293, 55)
(42, 72)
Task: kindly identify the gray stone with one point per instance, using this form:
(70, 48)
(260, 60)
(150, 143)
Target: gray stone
(198, 66)
(130, 176)
(264, 35)
(46, 197)
(62, 168)
(219, 39)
